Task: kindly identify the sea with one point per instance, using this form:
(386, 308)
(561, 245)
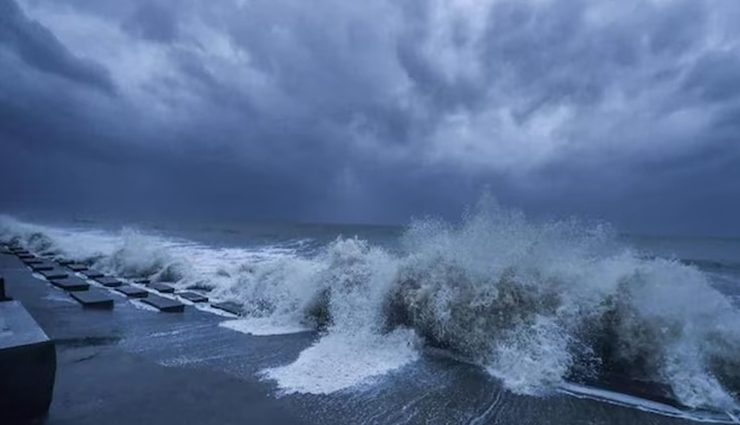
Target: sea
(493, 319)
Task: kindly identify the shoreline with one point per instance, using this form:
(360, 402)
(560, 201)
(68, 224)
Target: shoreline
(133, 364)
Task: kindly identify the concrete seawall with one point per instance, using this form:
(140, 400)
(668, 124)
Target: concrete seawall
(112, 364)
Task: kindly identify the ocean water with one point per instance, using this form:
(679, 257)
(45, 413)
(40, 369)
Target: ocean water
(539, 308)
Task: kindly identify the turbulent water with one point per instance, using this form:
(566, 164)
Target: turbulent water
(536, 304)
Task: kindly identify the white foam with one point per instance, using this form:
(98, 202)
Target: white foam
(264, 326)
(338, 362)
(216, 311)
(620, 399)
(60, 297)
(143, 306)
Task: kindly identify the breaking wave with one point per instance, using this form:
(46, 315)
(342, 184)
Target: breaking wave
(536, 304)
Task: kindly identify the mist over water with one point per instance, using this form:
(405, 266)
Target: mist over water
(536, 304)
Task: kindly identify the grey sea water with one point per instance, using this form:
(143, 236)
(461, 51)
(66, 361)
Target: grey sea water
(497, 319)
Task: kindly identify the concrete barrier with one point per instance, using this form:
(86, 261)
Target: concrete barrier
(41, 267)
(161, 287)
(77, 267)
(92, 274)
(193, 297)
(94, 298)
(108, 281)
(54, 274)
(71, 284)
(132, 291)
(27, 366)
(164, 304)
(229, 307)
(32, 261)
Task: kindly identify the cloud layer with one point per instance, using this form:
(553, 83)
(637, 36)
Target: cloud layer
(374, 111)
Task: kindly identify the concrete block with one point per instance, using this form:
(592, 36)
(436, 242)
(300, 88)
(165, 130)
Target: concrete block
(54, 274)
(161, 287)
(94, 298)
(41, 266)
(164, 304)
(71, 284)
(77, 267)
(92, 274)
(27, 366)
(142, 281)
(34, 260)
(26, 256)
(3, 295)
(108, 281)
(229, 307)
(132, 291)
(65, 261)
(193, 297)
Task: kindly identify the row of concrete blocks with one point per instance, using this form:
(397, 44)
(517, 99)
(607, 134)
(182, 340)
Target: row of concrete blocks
(80, 290)
(27, 355)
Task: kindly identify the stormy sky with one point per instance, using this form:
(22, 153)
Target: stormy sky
(373, 111)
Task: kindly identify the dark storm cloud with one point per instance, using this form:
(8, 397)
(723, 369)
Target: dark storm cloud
(379, 110)
(38, 47)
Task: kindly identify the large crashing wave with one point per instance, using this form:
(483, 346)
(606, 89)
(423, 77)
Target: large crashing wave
(536, 304)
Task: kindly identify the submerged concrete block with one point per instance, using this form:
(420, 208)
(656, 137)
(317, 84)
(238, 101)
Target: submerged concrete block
(108, 281)
(193, 297)
(65, 261)
(161, 287)
(164, 304)
(92, 274)
(71, 284)
(142, 281)
(132, 291)
(26, 256)
(229, 307)
(77, 267)
(27, 366)
(37, 267)
(94, 298)
(54, 274)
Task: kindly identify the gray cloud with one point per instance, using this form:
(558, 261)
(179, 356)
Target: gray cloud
(379, 110)
(152, 21)
(38, 47)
